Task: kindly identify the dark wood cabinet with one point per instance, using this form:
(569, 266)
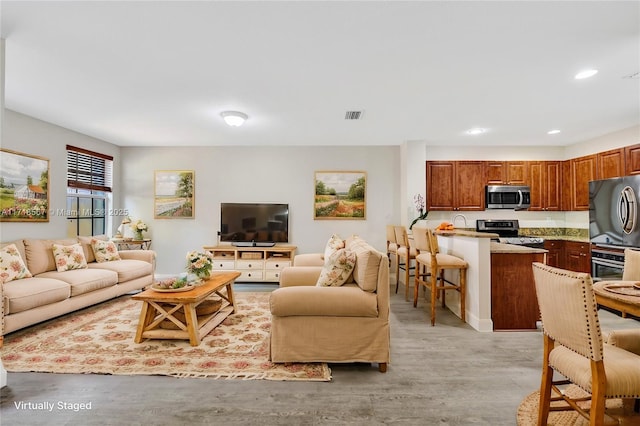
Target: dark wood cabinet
(455, 185)
(577, 256)
(583, 170)
(495, 172)
(506, 172)
(514, 305)
(632, 160)
(611, 164)
(545, 180)
(555, 256)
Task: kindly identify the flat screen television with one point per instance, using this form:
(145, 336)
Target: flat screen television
(260, 224)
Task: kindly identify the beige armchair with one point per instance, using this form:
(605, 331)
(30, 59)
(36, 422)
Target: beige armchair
(574, 348)
(348, 323)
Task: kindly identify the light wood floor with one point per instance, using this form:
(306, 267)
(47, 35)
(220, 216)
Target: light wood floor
(449, 374)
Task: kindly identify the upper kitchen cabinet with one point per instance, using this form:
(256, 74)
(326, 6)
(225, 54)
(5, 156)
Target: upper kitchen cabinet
(582, 170)
(545, 180)
(632, 160)
(506, 172)
(611, 164)
(455, 185)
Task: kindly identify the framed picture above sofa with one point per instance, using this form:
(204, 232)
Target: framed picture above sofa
(340, 195)
(174, 195)
(24, 187)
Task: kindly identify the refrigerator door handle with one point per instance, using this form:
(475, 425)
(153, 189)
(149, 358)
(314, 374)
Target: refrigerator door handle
(627, 209)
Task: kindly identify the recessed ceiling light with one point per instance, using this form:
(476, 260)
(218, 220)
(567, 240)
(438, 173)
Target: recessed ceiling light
(553, 132)
(234, 118)
(476, 131)
(586, 74)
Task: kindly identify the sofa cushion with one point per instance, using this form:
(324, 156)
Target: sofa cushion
(335, 243)
(346, 301)
(337, 268)
(127, 269)
(368, 259)
(39, 254)
(104, 251)
(84, 280)
(69, 257)
(12, 266)
(86, 246)
(22, 295)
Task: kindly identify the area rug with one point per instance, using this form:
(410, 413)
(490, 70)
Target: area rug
(100, 340)
(528, 411)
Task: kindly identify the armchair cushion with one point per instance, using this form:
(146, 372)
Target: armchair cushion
(629, 340)
(345, 301)
(631, 270)
(337, 268)
(368, 259)
(334, 244)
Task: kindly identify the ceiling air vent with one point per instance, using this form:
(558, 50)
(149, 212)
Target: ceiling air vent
(353, 115)
(634, 75)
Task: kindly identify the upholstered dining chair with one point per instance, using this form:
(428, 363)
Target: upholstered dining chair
(392, 251)
(574, 348)
(406, 255)
(430, 267)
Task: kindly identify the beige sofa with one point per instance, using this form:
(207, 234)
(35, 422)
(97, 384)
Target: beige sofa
(349, 323)
(50, 293)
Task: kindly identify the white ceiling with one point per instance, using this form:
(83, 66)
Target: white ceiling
(160, 73)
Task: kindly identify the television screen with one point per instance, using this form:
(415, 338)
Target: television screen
(254, 222)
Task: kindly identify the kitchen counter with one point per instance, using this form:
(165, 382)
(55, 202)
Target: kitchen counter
(514, 249)
(466, 233)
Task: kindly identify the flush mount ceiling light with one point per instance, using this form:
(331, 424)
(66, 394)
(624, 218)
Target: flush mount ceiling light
(553, 132)
(476, 131)
(585, 74)
(234, 118)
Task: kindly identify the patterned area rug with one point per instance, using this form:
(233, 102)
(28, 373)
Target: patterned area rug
(528, 411)
(100, 340)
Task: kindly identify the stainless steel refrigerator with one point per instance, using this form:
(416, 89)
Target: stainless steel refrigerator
(613, 211)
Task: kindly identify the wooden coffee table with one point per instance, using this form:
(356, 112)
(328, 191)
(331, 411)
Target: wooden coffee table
(155, 310)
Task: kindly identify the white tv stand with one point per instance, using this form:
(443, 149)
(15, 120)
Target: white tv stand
(255, 264)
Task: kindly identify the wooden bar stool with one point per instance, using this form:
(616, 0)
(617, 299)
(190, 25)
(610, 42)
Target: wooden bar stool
(406, 254)
(430, 259)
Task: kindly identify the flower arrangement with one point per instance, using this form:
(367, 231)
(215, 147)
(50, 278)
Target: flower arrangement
(139, 227)
(418, 200)
(199, 263)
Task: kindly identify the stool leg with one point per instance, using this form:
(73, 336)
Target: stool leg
(416, 283)
(463, 294)
(434, 292)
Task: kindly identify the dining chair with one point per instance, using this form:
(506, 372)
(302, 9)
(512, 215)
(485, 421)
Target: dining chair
(574, 347)
(406, 255)
(430, 267)
(392, 251)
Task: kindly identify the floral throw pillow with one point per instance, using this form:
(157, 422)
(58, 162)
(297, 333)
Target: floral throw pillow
(337, 268)
(335, 243)
(105, 251)
(11, 265)
(69, 257)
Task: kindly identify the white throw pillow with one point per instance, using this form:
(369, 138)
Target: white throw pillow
(105, 251)
(337, 268)
(335, 243)
(12, 266)
(69, 257)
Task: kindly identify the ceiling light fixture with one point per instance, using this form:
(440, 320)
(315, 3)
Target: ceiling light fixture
(585, 74)
(476, 131)
(553, 132)
(234, 118)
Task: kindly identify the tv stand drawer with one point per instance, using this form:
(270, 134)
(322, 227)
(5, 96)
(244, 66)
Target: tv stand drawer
(249, 264)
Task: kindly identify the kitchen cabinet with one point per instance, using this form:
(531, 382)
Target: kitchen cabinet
(577, 256)
(506, 172)
(545, 181)
(583, 170)
(632, 160)
(555, 255)
(455, 185)
(611, 164)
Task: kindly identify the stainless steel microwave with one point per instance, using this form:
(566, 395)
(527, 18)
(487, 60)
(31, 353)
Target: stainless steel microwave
(516, 197)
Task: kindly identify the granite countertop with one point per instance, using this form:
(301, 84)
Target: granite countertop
(514, 249)
(465, 233)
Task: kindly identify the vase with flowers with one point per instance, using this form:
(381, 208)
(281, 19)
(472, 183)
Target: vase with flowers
(200, 264)
(418, 200)
(138, 227)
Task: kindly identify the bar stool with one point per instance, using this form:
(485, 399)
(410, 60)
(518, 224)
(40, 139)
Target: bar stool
(430, 259)
(392, 250)
(405, 255)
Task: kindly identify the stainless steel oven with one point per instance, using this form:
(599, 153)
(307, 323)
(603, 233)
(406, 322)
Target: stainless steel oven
(607, 263)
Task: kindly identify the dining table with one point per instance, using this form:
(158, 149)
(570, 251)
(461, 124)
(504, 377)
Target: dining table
(622, 296)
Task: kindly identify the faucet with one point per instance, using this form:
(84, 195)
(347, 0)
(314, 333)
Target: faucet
(453, 219)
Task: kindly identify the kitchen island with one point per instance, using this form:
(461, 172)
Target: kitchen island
(505, 267)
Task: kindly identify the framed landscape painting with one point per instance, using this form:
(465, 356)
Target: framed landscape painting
(340, 195)
(174, 194)
(24, 187)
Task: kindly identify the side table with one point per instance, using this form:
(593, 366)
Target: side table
(123, 244)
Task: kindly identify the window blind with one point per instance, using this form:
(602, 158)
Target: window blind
(89, 170)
